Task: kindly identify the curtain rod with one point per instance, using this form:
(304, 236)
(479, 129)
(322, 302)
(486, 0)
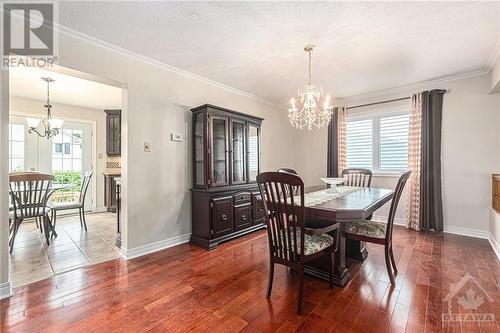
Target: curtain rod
(442, 91)
(375, 103)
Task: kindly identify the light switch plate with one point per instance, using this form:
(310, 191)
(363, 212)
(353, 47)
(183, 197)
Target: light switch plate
(175, 137)
(147, 147)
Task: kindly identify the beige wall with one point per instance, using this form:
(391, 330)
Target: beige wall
(22, 106)
(470, 141)
(158, 103)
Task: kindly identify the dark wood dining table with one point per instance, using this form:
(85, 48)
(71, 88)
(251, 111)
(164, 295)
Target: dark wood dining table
(354, 205)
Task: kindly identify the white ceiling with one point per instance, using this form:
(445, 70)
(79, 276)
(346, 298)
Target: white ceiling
(26, 82)
(257, 47)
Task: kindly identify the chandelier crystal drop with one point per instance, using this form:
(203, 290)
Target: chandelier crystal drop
(313, 108)
(51, 126)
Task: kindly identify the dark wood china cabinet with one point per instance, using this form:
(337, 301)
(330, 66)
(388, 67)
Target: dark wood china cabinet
(226, 162)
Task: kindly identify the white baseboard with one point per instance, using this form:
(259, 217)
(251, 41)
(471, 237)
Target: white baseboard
(154, 247)
(494, 244)
(447, 229)
(5, 290)
(383, 219)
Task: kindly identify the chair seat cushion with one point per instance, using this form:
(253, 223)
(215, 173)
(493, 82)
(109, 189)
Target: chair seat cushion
(66, 205)
(312, 243)
(365, 228)
(19, 213)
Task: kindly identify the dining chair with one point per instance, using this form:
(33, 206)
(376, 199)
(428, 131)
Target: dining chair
(379, 233)
(29, 193)
(80, 204)
(290, 242)
(287, 170)
(358, 177)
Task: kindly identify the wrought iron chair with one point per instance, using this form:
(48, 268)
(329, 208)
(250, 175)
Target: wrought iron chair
(379, 233)
(290, 242)
(80, 204)
(29, 194)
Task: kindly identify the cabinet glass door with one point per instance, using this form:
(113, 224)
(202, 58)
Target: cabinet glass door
(238, 150)
(199, 150)
(253, 152)
(219, 151)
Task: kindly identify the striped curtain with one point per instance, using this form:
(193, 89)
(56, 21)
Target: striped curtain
(414, 163)
(342, 149)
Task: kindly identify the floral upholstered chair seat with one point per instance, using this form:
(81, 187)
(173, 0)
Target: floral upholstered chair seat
(365, 228)
(312, 243)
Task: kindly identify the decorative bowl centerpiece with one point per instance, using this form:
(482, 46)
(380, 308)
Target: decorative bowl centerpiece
(333, 182)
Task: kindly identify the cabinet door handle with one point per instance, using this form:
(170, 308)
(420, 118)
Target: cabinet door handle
(223, 217)
(243, 217)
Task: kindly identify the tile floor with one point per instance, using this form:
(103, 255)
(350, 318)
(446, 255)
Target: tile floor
(32, 260)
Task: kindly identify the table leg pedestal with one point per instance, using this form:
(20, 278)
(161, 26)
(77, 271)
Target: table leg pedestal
(356, 249)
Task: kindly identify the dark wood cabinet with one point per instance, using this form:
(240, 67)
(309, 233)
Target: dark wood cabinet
(113, 132)
(110, 191)
(226, 162)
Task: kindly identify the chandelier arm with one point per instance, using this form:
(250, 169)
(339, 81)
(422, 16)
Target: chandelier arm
(31, 130)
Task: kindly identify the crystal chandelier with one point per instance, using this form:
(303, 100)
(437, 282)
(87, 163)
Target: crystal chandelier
(310, 97)
(51, 126)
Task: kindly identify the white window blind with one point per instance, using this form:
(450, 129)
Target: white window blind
(377, 137)
(359, 142)
(393, 143)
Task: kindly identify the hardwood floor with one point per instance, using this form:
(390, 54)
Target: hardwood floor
(186, 288)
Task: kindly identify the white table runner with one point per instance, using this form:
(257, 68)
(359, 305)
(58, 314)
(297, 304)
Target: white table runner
(319, 197)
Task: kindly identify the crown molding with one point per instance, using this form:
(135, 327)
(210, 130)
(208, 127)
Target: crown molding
(117, 49)
(404, 89)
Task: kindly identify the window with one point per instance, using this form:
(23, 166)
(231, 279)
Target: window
(16, 147)
(378, 141)
(67, 163)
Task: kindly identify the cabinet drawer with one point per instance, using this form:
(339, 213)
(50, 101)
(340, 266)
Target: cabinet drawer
(242, 217)
(241, 198)
(258, 208)
(222, 216)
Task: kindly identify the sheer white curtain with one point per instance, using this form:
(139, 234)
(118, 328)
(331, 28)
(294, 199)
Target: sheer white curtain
(414, 163)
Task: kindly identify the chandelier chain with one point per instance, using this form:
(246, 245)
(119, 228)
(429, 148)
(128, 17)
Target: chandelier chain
(310, 71)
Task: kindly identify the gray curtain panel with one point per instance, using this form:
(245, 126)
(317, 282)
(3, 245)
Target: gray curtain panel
(332, 168)
(431, 203)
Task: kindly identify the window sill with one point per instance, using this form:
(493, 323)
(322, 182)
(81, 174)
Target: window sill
(387, 174)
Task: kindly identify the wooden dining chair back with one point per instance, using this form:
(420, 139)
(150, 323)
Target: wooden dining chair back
(285, 215)
(29, 192)
(287, 170)
(398, 191)
(380, 233)
(290, 242)
(358, 177)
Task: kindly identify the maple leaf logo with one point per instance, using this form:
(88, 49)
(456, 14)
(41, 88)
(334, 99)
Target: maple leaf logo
(470, 301)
